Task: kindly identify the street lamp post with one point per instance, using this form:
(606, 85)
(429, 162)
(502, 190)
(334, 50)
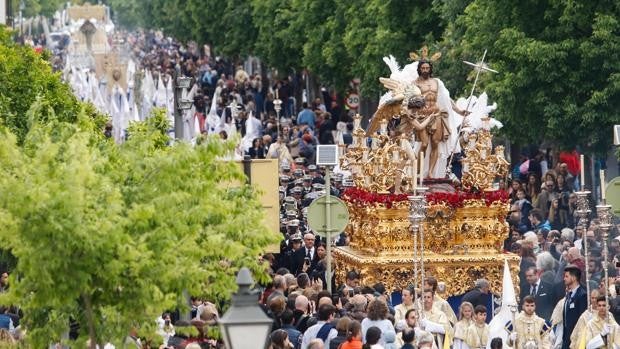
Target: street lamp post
(277, 105)
(181, 104)
(245, 325)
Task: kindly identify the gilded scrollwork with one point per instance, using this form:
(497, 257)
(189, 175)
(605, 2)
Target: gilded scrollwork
(396, 272)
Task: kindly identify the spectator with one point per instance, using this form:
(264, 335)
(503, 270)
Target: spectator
(280, 340)
(306, 116)
(377, 317)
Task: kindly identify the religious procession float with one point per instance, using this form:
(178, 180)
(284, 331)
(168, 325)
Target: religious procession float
(410, 216)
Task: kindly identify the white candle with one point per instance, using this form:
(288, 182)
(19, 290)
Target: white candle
(582, 178)
(395, 156)
(421, 168)
(603, 185)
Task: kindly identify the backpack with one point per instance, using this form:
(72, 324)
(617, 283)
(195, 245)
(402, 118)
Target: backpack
(324, 331)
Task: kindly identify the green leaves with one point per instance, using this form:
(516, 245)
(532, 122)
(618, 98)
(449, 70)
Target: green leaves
(129, 227)
(556, 61)
(110, 235)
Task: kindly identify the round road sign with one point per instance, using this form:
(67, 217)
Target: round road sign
(317, 219)
(353, 100)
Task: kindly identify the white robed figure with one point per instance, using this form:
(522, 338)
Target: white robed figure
(252, 131)
(170, 100)
(130, 74)
(120, 113)
(497, 326)
(213, 120)
(164, 98)
(98, 99)
(189, 115)
(148, 94)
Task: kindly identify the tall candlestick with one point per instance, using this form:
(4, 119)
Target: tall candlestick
(582, 179)
(421, 168)
(602, 185)
(414, 170)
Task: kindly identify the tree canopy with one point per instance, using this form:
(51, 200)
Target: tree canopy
(559, 67)
(26, 76)
(111, 235)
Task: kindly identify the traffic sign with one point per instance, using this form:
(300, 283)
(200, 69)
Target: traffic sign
(612, 193)
(352, 101)
(317, 217)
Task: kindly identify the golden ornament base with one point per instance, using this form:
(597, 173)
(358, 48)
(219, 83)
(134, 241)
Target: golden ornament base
(395, 271)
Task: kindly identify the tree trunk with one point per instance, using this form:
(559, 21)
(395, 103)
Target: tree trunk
(90, 318)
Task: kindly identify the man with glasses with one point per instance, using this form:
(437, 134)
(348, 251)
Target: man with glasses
(545, 197)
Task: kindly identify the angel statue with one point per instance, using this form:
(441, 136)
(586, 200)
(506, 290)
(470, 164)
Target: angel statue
(423, 105)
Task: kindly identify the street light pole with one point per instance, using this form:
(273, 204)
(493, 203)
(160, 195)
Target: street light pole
(277, 106)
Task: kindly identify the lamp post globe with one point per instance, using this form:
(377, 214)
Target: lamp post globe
(245, 325)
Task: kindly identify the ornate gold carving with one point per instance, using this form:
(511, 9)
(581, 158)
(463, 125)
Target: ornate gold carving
(475, 228)
(480, 165)
(384, 167)
(414, 56)
(396, 272)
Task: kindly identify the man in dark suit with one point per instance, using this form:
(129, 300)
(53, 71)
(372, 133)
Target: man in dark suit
(479, 295)
(306, 255)
(575, 303)
(541, 291)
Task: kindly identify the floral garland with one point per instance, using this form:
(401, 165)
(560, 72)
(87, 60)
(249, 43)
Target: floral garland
(458, 198)
(455, 200)
(362, 197)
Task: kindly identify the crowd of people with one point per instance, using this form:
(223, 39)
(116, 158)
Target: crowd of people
(545, 231)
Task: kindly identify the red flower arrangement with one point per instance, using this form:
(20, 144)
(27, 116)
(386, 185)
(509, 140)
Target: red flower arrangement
(362, 197)
(456, 199)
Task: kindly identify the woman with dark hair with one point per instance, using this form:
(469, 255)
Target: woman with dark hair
(533, 188)
(354, 336)
(515, 185)
(373, 335)
(279, 340)
(377, 317)
(558, 217)
(257, 151)
(562, 185)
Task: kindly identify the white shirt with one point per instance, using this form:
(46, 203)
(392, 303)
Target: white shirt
(313, 330)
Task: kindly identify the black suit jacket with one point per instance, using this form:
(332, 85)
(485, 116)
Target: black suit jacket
(572, 311)
(476, 297)
(545, 299)
(298, 260)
